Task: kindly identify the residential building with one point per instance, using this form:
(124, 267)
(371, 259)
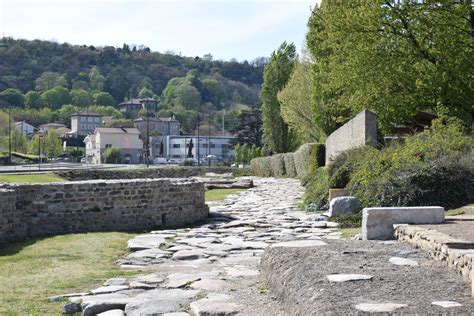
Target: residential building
(177, 147)
(84, 123)
(126, 139)
(132, 107)
(26, 129)
(50, 126)
(164, 125)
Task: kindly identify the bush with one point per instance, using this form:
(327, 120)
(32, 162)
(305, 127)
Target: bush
(317, 189)
(261, 167)
(341, 169)
(302, 160)
(317, 156)
(112, 155)
(278, 165)
(290, 168)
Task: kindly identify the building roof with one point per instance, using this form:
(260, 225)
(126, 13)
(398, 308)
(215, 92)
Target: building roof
(85, 113)
(22, 122)
(107, 118)
(63, 130)
(156, 119)
(118, 130)
(53, 125)
(137, 101)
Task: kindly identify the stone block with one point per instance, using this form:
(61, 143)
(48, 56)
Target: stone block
(358, 132)
(344, 205)
(377, 222)
(334, 193)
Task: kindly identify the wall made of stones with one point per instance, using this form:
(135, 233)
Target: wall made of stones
(12, 226)
(104, 205)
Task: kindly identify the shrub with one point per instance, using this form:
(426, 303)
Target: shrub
(317, 156)
(317, 189)
(112, 155)
(278, 165)
(290, 168)
(341, 169)
(302, 160)
(261, 167)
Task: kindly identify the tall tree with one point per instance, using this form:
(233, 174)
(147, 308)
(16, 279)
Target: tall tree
(276, 133)
(249, 127)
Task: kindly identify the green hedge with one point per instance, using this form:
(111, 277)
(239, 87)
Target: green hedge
(317, 189)
(277, 163)
(290, 168)
(317, 156)
(261, 167)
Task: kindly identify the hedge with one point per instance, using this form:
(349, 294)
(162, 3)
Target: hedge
(289, 165)
(277, 163)
(261, 167)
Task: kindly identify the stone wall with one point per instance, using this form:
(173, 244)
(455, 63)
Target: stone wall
(358, 132)
(142, 173)
(100, 205)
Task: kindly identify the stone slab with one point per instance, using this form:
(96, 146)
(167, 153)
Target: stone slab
(377, 222)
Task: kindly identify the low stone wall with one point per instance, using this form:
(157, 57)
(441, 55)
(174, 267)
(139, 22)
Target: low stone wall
(141, 173)
(99, 205)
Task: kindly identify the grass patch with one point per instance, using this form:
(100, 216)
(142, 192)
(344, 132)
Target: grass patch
(32, 270)
(455, 212)
(349, 232)
(220, 194)
(348, 221)
(31, 178)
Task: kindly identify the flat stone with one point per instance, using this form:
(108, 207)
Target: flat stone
(446, 304)
(57, 298)
(215, 304)
(101, 307)
(143, 242)
(241, 272)
(379, 307)
(300, 243)
(189, 255)
(177, 280)
(113, 312)
(140, 285)
(115, 281)
(160, 301)
(109, 289)
(211, 285)
(152, 253)
(403, 261)
(149, 279)
(348, 277)
(176, 314)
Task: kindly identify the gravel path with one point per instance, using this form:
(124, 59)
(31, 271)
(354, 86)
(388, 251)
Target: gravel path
(212, 269)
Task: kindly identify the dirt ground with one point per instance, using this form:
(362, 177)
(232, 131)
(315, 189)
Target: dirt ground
(457, 229)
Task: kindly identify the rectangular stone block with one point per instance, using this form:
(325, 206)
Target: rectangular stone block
(377, 222)
(334, 193)
(358, 132)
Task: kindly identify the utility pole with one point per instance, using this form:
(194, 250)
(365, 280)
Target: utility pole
(147, 154)
(209, 143)
(9, 135)
(198, 143)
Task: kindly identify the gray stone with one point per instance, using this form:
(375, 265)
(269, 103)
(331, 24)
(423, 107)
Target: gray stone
(109, 289)
(446, 304)
(143, 242)
(377, 222)
(379, 307)
(71, 308)
(237, 272)
(211, 285)
(115, 281)
(336, 278)
(300, 243)
(160, 301)
(316, 218)
(153, 253)
(403, 261)
(97, 308)
(189, 255)
(177, 280)
(113, 312)
(215, 305)
(344, 205)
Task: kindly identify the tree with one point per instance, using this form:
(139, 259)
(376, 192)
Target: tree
(65, 112)
(238, 153)
(81, 97)
(33, 100)
(112, 155)
(295, 101)
(249, 127)
(96, 79)
(277, 72)
(103, 98)
(11, 97)
(145, 93)
(392, 58)
(51, 144)
(55, 98)
(19, 141)
(245, 154)
(190, 148)
(49, 80)
(188, 97)
(106, 111)
(119, 123)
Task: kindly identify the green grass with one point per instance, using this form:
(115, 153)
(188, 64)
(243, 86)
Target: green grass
(348, 221)
(349, 232)
(220, 194)
(32, 270)
(30, 178)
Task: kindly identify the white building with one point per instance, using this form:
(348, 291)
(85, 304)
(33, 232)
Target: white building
(126, 139)
(83, 123)
(26, 129)
(177, 147)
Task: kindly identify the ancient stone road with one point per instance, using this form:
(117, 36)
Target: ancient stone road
(212, 269)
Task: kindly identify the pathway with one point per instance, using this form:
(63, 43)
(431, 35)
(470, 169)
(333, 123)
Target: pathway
(212, 269)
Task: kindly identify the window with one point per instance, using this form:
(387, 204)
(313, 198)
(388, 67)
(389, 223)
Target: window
(204, 145)
(83, 119)
(176, 145)
(108, 145)
(83, 126)
(89, 119)
(213, 145)
(97, 120)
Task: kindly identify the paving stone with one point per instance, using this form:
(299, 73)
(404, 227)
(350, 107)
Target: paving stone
(446, 304)
(143, 242)
(177, 280)
(153, 253)
(188, 255)
(348, 277)
(215, 304)
(300, 243)
(403, 261)
(240, 272)
(379, 307)
(115, 281)
(113, 312)
(109, 289)
(149, 279)
(160, 301)
(211, 285)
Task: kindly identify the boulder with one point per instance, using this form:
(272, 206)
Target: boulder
(344, 205)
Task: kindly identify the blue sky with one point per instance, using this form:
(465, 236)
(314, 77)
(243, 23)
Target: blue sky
(227, 29)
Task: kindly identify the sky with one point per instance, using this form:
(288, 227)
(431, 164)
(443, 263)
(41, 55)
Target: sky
(241, 29)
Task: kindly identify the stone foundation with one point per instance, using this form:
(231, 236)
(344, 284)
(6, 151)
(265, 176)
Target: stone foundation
(33, 210)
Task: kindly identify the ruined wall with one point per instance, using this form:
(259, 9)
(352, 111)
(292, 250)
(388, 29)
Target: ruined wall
(358, 132)
(99, 205)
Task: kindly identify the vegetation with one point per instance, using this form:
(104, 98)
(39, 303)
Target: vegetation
(220, 194)
(112, 155)
(32, 270)
(30, 178)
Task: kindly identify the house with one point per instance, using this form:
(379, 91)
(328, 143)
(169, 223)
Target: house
(50, 126)
(132, 107)
(26, 129)
(126, 139)
(164, 125)
(83, 123)
(177, 147)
